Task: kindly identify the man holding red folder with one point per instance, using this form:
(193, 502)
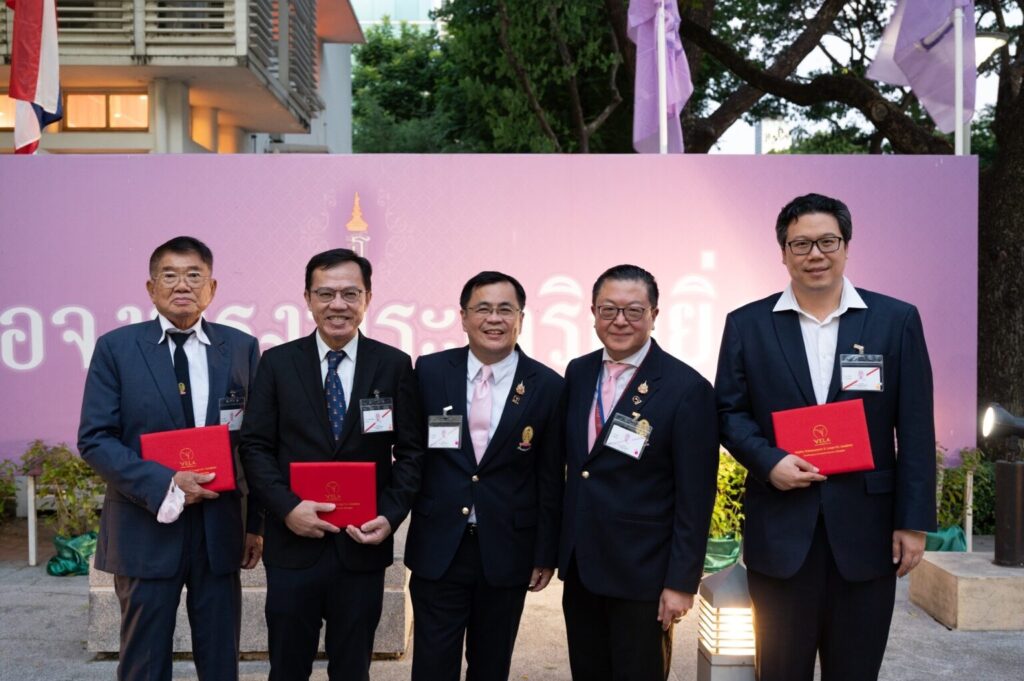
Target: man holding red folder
(161, 530)
(823, 552)
(332, 396)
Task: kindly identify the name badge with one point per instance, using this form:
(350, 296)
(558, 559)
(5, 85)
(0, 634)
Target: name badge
(861, 373)
(231, 409)
(378, 415)
(444, 432)
(628, 436)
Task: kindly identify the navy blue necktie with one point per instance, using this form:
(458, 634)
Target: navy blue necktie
(334, 392)
(181, 373)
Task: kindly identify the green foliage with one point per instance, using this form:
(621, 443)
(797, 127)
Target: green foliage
(72, 483)
(8, 487)
(837, 141)
(951, 500)
(727, 517)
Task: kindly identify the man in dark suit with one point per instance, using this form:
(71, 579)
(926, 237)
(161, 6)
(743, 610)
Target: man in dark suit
(484, 527)
(316, 572)
(823, 554)
(160, 530)
(642, 457)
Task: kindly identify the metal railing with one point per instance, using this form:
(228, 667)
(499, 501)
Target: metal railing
(278, 44)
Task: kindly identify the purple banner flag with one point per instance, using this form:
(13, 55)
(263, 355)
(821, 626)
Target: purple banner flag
(643, 31)
(918, 50)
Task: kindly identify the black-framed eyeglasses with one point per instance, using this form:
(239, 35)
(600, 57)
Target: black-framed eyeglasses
(349, 295)
(826, 244)
(485, 311)
(632, 313)
(193, 279)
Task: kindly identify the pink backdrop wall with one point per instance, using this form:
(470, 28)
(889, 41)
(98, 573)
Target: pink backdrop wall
(77, 234)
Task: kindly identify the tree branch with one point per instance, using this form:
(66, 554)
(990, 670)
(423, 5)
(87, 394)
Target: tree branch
(522, 77)
(710, 129)
(905, 135)
(576, 106)
(618, 17)
(616, 96)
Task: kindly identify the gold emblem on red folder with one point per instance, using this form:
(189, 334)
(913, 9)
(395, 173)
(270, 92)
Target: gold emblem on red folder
(820, 435)
(187, 457)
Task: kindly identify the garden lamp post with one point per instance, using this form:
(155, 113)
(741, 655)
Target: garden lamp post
(1009, 549)
(725, 627)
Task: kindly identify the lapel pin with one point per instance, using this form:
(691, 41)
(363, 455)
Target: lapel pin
(643, 428)
(525, 444)
(181, 389)
(636, 399)
(520, 389)
(636, 415)
(642, 388)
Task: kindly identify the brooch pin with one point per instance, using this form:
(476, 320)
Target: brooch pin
(636, 399)
(526, 444)
(643, 428)
(520, 391)
(642, 388)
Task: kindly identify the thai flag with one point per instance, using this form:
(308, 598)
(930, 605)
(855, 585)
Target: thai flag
(35, 83)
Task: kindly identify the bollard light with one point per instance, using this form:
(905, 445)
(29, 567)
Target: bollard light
(725, 627)
(1009, 539)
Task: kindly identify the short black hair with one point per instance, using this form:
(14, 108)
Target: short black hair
(335, 257)
(181, 245)
(628, 273)
(813, 203)
(486, 279)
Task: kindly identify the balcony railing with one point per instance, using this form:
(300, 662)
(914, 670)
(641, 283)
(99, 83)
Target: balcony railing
(274, 38)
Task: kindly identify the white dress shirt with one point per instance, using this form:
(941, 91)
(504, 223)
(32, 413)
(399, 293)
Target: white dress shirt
(502, 374)
(346, 367)
(634, 361)
(821, 337)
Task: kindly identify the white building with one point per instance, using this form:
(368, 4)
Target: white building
(222, 76)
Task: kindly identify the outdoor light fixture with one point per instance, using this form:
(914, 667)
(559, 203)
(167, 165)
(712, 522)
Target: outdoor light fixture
(986, 43)
(725, 627)
(1009, 544)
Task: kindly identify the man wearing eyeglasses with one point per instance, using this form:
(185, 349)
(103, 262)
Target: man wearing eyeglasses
(641, 449)
(334, 395)
(484, 528)
(823, 553)
(160, 530)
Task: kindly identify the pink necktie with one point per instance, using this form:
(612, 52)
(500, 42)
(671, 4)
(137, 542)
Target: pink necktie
(480, 412)
(611, 374)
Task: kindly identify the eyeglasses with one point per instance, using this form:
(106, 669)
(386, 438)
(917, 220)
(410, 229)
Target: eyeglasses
(826, 244)
(633, 313)
(349, 295)
(192, 279)
(485, 311)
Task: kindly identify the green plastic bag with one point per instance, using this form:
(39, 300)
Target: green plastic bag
(721, 554)
(946, 539)
(72, 555)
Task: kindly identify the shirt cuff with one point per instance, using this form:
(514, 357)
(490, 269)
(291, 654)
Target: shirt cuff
(174, 504)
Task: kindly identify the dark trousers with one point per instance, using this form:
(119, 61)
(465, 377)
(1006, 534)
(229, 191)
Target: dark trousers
(459, 606)
(817, 611)
(298, 600)
(149, 607)
(612, 639)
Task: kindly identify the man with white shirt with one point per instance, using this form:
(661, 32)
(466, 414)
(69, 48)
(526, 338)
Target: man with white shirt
(641, 448)
(160, 530)
(334, 395)
(484, 527)
(823, 553)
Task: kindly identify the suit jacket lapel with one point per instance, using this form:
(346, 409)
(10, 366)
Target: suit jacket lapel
(591, 374)
(218, 369)
(791, 340)
(362, 386)
(455, 395)
(648, 374)
(851, 328)
(307, 369)
(515, 407)
(158, 359)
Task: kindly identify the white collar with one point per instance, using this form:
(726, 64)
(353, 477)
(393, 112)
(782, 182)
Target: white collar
(499, 370)
(634, 360)
(849, 299)
(167, 329)
(349, 348)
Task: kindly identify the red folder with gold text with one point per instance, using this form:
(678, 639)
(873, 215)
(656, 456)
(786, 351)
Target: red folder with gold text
(198, 450)
(833, 437)
(350, 485)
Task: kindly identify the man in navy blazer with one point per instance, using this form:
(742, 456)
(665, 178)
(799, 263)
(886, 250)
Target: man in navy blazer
(641, 449)
(484, 526)
(160, 530)
(308, 404)
(823, 553)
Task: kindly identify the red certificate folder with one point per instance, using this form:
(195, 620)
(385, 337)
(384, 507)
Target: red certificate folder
(350, 485)
(199, 450)
(833, 437)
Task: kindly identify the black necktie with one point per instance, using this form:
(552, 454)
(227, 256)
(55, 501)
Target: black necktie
(181, 371)
(336, 406)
